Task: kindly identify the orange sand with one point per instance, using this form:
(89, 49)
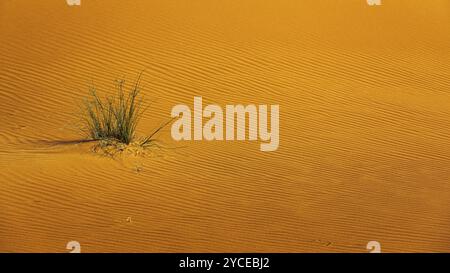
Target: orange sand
(364, 95)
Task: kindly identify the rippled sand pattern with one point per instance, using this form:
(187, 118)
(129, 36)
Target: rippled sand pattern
(364, 95)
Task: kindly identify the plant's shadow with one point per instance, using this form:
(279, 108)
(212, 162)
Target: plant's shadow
(64, 142)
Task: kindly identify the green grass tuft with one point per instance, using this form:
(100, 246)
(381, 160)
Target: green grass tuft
(114, 118)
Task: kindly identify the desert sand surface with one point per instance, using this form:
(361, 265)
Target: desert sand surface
(364, 95)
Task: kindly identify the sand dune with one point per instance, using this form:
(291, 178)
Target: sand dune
(364, 95)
